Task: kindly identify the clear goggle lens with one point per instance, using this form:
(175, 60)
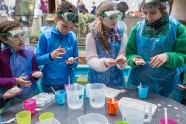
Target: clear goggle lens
(112, 15)
(70, 17)
(18, 35)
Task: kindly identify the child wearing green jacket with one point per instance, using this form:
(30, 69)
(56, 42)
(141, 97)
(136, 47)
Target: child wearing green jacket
(156, 51)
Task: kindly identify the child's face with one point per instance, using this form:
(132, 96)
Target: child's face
(109, 24)
(110, 20)
(63, 26)
(16, 41)
(152, 14)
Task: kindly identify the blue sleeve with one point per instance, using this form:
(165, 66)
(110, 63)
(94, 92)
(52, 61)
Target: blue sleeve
(75, 50)
(42, 57)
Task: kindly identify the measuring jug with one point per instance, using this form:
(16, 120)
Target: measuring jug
(133, 113)
(93, 118)
(96, 93)
(75, 94)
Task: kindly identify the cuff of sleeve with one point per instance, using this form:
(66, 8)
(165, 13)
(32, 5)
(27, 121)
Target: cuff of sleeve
(167, 64)
(50, 57)
(14, 81)
(130, 62)
(105, 67)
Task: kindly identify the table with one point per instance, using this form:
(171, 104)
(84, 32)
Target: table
(66, 115)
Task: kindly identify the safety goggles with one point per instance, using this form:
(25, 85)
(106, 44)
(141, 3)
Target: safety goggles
(113, 15)
(18, 35)
(70, 17)
(154, 3)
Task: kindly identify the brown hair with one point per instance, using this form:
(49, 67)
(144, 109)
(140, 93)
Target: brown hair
(122, 7)
(104, 6)
(65, 6)
(157, 2)
(6, 26)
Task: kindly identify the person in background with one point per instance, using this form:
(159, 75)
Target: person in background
(122, 7)
(4, 7)
(105, 47)
(156, 51)
(81, 7)
(17, 63)
(4, 98)
(57, 49)
(44, 5)
(93, 9)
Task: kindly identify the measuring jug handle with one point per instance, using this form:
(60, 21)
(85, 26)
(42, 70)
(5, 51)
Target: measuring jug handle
(87, 89)
(149, 114)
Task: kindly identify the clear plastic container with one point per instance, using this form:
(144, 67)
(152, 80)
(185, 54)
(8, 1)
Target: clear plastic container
(93, 118)
(75, 95)
(49, 121)
(96, 93)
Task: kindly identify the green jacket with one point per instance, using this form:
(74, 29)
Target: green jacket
(176, 59)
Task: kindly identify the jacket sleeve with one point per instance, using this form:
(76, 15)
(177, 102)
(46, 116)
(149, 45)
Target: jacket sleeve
(177, 58)
(6, 81)
(131, 49)
(42, 57)
(92, 57)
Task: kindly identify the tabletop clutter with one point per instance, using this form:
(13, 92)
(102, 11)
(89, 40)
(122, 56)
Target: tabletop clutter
(99, 95)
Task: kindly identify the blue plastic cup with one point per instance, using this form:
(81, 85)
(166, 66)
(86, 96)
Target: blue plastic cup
(60, 97)
(143, 91)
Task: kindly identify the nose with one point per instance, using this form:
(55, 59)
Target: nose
(20, 38)
(149, 16)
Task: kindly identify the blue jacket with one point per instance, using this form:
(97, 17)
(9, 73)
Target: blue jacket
(56, 72)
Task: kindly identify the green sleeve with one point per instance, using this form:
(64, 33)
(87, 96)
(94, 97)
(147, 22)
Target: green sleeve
(131, 50)
(177, 58)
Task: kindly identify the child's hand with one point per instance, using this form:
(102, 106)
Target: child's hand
(109, 62)
(158, 60)
(23, 82)
(121, 60)
(57, 53)
(37, 74)
(10, 94)
(71, 60)
(138, 61)
(181, 87)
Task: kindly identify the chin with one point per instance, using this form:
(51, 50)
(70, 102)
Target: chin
(151, 21)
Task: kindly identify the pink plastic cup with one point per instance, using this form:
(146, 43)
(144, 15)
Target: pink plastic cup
(30, 105)
(169, 121)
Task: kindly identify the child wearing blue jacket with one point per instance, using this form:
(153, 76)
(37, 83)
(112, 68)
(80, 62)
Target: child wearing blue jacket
(57, 49)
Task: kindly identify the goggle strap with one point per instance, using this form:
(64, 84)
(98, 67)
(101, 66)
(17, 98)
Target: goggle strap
(103, 15)
(3, 34)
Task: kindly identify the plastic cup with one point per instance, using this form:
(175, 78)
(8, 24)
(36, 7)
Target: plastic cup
(60, 97)
(93, 118)
(112, 107)
(169, 121)
(47, 121)
(121, 122)
(96, 95)
(143, 91)
(30, 105)
(46, 115)
(23, 117)
(75, 94)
